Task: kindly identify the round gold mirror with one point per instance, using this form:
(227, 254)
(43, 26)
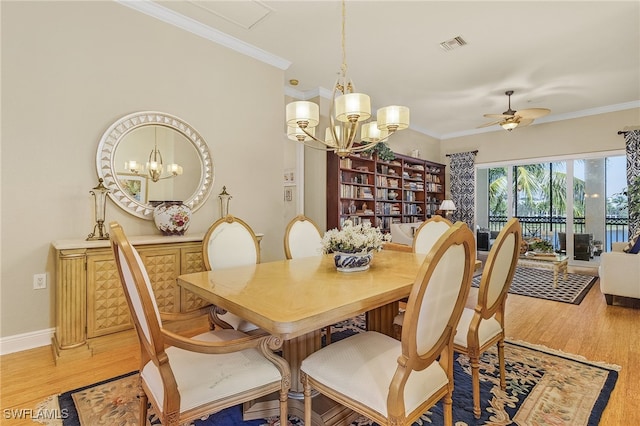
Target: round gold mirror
(149, 157)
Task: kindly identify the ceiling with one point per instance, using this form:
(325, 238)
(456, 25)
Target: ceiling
(576, 58)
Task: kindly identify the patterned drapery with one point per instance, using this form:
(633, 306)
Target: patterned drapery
(463, 186)
(632, 140)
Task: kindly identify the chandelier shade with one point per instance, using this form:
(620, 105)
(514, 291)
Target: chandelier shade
(348, 115)
(303, 112)
(393, 118)
(353, 107)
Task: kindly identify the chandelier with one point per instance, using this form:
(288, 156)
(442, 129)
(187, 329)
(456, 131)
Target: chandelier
(347, 112)
(155, 165)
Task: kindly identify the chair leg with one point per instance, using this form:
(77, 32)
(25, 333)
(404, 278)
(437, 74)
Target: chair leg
(307, 398)
(142, 396)
(475, 379)
(284, 409)
(503, 381)
(447, 408)
(328, 338)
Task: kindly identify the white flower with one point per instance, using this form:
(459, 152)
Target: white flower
(354, 238)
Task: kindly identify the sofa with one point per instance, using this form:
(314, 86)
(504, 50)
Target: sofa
(402, 233)
(619, 273)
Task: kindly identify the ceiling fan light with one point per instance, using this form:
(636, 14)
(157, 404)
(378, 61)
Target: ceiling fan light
(353, 106)
(509, 125)
(393, 117)
(303, 112)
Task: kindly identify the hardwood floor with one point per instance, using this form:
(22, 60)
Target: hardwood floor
(592, 329)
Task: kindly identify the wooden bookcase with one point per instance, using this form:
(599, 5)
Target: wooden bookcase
(363, 188)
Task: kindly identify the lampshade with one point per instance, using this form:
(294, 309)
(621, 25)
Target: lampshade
(447, 205)
(303, 111)
(353, 106)
(393, 118)
(371, 133)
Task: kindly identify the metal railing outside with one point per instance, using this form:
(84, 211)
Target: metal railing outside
(548, 227)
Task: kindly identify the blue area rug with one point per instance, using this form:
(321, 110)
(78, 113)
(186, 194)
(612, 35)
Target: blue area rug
(543, 387)
(538, 283)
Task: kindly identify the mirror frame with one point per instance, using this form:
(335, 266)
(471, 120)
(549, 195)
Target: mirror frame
(114, 135)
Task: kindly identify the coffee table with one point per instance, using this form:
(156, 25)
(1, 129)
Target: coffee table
(556, 262)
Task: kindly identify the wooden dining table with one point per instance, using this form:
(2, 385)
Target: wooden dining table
(295, 299)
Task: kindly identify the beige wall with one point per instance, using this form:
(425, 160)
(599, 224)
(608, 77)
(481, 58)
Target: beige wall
(70, 69)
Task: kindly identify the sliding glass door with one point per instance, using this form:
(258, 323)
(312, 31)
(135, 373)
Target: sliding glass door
(577, 205)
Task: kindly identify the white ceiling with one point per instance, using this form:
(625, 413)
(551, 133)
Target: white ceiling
(574, 57)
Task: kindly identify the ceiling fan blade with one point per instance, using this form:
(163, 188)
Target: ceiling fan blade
(525, 122)
(503, 116)
(490, 124)
(533, 112)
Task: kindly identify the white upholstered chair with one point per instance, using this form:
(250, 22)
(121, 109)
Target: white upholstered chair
(482, 327)
(394, 382)
(425, 237)
(302, 238)
(230, 242)
(428, 233)
(188, 378)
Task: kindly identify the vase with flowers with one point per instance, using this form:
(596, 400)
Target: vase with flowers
(353, 245)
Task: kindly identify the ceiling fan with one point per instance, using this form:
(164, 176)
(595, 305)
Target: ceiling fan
(511, 119)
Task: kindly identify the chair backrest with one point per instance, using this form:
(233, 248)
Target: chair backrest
(437, 299)
(142, 306)
(302, 238)
(498, 271)
(429, 232)
(229, 242)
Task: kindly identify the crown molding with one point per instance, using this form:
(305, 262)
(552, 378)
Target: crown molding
(164, 14)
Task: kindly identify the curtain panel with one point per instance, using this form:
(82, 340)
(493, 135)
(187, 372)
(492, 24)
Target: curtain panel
(463, 186)
(632, 140)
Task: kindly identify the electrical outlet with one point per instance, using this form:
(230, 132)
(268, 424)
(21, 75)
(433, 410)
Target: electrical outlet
(39, 281)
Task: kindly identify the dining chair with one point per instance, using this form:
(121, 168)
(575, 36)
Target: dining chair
(425, 237)
(482, 327)
(302, 238)
(188, 378)
(394, 382)
(428, 233)
(230, 242)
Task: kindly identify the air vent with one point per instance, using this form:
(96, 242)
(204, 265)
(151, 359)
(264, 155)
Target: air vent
(454, 43)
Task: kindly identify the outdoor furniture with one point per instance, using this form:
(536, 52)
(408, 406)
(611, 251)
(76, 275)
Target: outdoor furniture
(582, 245)
(482, 327)
(188, 378)
(619, 273)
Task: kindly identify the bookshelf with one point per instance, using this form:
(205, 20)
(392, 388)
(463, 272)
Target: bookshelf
(364, 188)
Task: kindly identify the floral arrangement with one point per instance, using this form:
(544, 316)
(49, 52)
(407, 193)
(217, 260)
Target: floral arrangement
(354, 239)
(540, 245)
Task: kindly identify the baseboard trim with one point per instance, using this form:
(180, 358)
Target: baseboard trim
(22, 342)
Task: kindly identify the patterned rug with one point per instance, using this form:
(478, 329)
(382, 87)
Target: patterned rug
(544, 387)
(538, 283)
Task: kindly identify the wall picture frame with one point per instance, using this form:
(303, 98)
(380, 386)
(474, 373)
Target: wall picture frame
(135, 186)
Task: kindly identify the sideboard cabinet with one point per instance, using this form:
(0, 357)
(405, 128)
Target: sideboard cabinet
(367, 189)
(90, 302)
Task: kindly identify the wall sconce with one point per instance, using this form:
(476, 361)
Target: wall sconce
(100, 205)
(447, 206)
(224, 202)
